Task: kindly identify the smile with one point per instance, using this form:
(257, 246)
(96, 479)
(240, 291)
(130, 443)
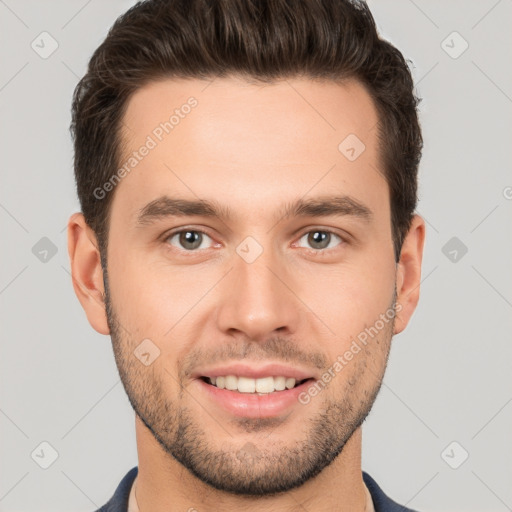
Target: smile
(264, 385)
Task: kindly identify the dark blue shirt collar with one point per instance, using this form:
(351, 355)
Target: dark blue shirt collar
(119, 501)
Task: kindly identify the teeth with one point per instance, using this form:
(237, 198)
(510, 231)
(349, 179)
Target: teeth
(231, 382)
(248, 385)
(290, 383)
(245, 385)
(264, 385)
(280, 383)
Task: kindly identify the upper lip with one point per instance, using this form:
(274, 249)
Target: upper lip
(251, 371)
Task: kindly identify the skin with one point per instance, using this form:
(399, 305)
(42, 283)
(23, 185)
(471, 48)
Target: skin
(253, 148)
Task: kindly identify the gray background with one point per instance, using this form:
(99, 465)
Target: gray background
(448, 379)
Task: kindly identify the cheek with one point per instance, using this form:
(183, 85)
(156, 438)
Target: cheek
(153, 298)
(350, 297)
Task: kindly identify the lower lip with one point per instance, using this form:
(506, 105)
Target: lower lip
(252, 405)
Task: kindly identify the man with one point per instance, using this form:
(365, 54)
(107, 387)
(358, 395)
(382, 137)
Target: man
(247, 172)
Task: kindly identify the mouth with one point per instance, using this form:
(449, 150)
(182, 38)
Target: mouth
(256, 386)
(254, 398)
(254, 391)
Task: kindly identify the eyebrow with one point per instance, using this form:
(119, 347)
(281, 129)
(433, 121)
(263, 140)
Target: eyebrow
(166, 206)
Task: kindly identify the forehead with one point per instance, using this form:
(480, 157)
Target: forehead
(236, 140)
(297, 108)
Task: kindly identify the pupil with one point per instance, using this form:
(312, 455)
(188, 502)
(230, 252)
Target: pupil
(191, 238)
(323, 236)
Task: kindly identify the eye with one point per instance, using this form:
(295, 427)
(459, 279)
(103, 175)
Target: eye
(320, 239)
(188, 239)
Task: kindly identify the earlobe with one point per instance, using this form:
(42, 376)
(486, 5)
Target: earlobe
(86, 271)
(408, 276)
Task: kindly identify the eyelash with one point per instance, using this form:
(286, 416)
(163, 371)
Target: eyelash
(343, 241)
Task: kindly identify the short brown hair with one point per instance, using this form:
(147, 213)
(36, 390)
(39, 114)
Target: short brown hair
(262, 40)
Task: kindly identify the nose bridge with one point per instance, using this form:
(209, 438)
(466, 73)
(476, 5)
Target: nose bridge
(257, 300)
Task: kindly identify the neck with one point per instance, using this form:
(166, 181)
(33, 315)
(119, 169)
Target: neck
(162, 482)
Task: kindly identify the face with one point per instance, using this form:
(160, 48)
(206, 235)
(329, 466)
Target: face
(263, 278)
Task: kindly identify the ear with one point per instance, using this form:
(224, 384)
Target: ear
(408, 275)
(86, 271)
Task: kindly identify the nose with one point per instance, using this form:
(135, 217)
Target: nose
(258, 298)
